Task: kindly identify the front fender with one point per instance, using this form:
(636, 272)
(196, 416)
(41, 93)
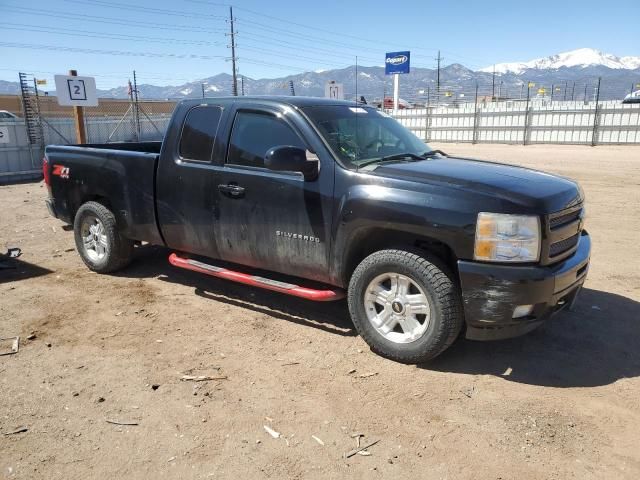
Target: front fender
(369, 213)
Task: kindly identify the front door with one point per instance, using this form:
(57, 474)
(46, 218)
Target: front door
(267, 219)
(186, 181)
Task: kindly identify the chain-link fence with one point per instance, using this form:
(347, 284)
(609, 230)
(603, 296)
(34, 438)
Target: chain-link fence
(113, 120)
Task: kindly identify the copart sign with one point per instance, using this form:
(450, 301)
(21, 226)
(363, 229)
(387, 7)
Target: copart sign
(396, 62)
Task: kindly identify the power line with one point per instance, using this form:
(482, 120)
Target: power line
(147, 10)
(301, 57)
(146, 54)
(288, 22)
(341, 34)
(108, 52)
(111, 36)
(153, 75)
(303, 36)
(126, 37)
(277, 66)
(273, 41)
(109, 20)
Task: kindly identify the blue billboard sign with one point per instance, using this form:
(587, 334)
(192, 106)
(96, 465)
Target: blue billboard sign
(396, 62)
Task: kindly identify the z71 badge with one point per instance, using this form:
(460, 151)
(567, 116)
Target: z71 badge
(297, 236)
(61, 171)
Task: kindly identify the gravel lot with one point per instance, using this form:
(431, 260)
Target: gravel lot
(559, 403)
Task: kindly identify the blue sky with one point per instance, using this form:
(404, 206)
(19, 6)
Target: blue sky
(172, 42)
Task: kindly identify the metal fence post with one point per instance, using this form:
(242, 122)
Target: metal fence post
(525, 133)
(596, 117)
(474, 140)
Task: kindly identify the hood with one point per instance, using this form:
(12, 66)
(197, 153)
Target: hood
(523, 186)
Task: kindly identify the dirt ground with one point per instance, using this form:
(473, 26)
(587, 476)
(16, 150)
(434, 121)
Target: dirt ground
(560, 403)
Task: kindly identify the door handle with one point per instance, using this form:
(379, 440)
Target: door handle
(232, 190)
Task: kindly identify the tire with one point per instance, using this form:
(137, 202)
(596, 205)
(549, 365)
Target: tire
(107, 250)
(429, 281)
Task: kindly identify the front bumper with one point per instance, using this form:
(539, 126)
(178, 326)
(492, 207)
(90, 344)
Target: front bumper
(491, 292)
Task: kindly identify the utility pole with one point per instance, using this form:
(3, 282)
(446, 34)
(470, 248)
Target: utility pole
(439, 59)
(585, 93)
(202, 85)
(565, 91)
(242, 84)
(552, 87)
(573, 90)
(233, 53)
(493, 84)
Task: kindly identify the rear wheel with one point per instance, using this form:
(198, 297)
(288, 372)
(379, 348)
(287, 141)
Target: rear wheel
(98, 240)
(405, 305)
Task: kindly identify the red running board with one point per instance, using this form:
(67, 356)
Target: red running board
(254, 280)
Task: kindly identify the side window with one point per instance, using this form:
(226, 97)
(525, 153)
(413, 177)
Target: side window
(254, 134)
(199, 133)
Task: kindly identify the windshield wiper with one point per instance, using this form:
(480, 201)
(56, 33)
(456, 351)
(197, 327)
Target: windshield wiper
(397, 156)
(433, 153)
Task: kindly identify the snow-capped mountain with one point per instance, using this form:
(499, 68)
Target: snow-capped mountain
(582, 57)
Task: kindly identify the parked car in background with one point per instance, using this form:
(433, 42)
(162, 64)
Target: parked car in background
(633, 97)
(5, 115)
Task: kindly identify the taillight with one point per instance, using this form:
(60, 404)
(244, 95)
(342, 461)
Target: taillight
(45, 171)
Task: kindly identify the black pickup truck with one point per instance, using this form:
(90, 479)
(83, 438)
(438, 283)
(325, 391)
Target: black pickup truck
(324, 199)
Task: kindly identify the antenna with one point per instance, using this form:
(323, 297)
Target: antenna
(356, 80)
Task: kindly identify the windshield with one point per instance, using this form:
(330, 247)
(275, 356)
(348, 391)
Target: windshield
(361, 135)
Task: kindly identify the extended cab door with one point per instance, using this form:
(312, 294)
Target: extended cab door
(267, 219)
(187, 178)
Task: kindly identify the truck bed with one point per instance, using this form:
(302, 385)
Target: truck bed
(122, 174)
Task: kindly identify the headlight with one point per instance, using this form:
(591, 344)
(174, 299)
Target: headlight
(507, 238)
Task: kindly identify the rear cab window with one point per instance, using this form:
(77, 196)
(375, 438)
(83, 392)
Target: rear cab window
(254, 133)
(199, 133)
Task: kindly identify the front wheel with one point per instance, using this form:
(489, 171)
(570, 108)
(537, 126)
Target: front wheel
(405, 305)
(101, 246)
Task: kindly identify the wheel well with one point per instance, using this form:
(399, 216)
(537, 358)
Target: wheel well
(90, 198)
(372, 241)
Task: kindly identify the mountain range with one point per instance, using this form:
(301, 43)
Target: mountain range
(570, 73)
